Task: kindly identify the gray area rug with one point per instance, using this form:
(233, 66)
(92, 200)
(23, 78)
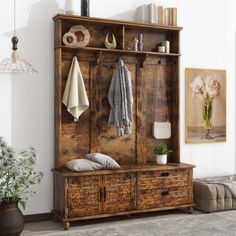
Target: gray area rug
(217, 224)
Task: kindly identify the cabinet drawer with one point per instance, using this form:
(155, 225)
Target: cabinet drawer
(155, 198)
(163, 179)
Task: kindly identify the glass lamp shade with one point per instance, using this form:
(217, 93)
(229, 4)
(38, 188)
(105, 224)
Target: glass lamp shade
(15, 64)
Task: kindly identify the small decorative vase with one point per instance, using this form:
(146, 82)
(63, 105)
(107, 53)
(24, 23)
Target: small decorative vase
(140, 42)
(110, 45)
(161, 159)
(207, 117)
(72, 7)
(85, 8)
(11, 219)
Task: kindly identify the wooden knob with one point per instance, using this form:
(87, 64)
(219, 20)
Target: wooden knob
(14, 41)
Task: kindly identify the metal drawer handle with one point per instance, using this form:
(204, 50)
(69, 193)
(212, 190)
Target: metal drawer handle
(165, 193)
(100, 194)
(165, 174)
(105, 194)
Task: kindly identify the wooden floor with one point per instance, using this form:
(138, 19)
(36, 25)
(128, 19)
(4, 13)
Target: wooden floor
(50, 227)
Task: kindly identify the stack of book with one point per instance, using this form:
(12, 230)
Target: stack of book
(152, 13)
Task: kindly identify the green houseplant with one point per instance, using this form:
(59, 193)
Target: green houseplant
(161, 151)
(17, 176)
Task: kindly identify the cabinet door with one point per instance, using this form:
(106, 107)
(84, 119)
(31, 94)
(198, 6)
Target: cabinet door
(119, 192)
(84, 196)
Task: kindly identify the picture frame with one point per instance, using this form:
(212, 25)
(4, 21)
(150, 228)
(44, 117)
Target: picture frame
(205, 118)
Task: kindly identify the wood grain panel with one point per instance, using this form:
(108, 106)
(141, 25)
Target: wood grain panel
(75, 138)
(59, 199)
(128, 169)
(175, 112)
(160, 179)
(151, 39)
(97, 33)
(108, 141)
(154, 198)
(157, 76)
(141, 117)
(119, 193)
(84, 196)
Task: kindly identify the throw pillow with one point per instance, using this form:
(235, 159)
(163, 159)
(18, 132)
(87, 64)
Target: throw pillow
(104, 160)
(83, 165)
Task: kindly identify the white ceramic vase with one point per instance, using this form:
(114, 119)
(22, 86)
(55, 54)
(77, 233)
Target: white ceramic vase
(72, 7)
(161, 159)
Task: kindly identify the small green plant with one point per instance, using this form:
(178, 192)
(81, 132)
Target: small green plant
(17, 174)
(161, 149)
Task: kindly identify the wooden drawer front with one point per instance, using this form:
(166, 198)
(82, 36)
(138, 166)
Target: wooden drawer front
(163, 179)
(83, 196)
(163, 197)
(119, 193)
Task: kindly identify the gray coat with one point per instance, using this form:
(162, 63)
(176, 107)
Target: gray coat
(120, 98)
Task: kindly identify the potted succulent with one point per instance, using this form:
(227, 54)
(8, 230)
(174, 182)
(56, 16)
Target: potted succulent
(17, 176)
(161, 150)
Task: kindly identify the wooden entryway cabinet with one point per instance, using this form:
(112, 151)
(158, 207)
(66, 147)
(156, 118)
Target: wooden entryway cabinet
(139, 185)
(146, 188)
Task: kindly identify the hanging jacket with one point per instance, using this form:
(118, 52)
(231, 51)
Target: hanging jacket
(120, 98)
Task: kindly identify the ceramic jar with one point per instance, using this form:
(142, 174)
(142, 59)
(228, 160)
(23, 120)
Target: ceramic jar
(72, 7)
(161, 159)
(11, 219)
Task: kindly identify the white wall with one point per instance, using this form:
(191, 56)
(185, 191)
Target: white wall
(207, 41)
(5, 80)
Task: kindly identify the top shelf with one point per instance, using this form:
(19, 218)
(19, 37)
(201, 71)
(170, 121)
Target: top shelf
(67, 17)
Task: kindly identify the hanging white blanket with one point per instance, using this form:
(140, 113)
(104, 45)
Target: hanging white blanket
(75, 97)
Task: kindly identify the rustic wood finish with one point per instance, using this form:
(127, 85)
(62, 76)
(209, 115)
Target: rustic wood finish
(119, 192)
(126, 169)
(140, 185)
(138, 189)
(83, 196)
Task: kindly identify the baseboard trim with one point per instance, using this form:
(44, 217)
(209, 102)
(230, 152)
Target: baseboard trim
(38, 217)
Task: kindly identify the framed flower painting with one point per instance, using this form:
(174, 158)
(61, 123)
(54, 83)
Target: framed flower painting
(205, 105)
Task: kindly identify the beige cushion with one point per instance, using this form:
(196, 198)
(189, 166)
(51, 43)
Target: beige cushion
(106, 161)
(83, 165)
(212, 197)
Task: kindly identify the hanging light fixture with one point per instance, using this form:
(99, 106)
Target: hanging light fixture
(16, 64)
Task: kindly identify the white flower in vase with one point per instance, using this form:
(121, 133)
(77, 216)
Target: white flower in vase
(198, 86)
(206, 89)
(212, 86)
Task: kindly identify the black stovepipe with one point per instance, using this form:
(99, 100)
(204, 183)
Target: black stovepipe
(85, 9)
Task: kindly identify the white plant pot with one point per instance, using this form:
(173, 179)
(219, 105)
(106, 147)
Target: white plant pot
(161, 159)
(72, 7)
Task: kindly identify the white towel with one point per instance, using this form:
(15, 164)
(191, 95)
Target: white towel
(75, 97)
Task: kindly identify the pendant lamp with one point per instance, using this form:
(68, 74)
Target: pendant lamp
(16, 64)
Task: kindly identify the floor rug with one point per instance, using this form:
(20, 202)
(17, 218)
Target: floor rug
(214, 224)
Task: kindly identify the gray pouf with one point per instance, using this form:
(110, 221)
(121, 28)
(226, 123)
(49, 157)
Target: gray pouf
(211, 196)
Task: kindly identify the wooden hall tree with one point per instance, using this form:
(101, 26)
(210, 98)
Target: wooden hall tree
(140, 185)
